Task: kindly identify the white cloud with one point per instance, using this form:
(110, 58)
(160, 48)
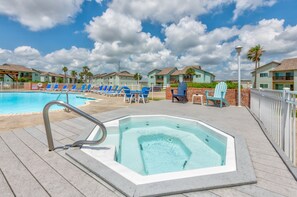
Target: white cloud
(166, 10)
(40, 14)
(242, 5)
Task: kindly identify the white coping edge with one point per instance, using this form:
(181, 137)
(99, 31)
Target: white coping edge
(137, 179)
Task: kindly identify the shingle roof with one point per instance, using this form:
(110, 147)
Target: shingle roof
(287, 64)
(166, 71)
(158, 70)
(15, 68)
(184, 70)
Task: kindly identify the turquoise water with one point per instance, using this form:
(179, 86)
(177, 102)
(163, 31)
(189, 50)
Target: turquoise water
(27, 102)
(159, 144)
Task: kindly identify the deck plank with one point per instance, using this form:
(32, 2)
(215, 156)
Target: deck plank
(51, 180)
(229, 192)
(20, 179)
(82, 181)
(63, 131)
(201, 194)
(255, 191)
(56, 135)
(5, 189)
(71, 128)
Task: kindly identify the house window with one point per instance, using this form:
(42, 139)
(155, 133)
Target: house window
(152, 77)
(263, 74)
(198, 76)
(263, 85)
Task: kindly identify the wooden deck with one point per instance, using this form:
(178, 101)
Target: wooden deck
(27, 168)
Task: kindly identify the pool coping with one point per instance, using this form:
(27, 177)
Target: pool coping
(243, 175)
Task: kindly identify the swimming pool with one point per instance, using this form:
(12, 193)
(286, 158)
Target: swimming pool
(29, 102)
(159, 151)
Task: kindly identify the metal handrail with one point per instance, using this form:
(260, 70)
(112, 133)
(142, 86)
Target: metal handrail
(78, 111)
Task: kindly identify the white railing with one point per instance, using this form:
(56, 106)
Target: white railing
(277, 111)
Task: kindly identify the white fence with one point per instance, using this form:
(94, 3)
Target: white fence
(277, 111)
(6, 86)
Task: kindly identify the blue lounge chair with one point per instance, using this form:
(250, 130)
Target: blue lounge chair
(103, 90)
(88, 88)
(99, 89)
(144, 94)
(112, 91)
(181, 93)
(65, 87)
(48, 87)
(219, 95)
(73, 88)
(83, 87)
(56, 87)
(128, 95)
(107, 90)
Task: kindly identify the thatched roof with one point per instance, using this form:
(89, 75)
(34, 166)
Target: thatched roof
(15, 68)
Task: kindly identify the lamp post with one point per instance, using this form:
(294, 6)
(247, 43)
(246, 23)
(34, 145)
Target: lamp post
(238, 50)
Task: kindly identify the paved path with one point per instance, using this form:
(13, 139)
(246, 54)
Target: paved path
(27, 168)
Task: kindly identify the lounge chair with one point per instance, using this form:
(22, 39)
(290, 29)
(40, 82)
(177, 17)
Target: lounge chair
(48, 87)
(107, 90)
(181, 93)
(96, 90)
(56, 87)
(144, 94)
(88, 88)
(112, 91)
(73, 88)
(128, 95)
(65, 87)
(83, 87)
(219, 95)
(103, 90)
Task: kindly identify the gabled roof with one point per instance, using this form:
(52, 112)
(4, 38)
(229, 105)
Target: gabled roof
(15, 68)
(166, 71)
(287, 64)
(266, 65)
(157, 70)
(184, 70)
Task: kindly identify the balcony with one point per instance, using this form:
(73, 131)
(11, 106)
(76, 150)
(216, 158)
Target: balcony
(283, 78)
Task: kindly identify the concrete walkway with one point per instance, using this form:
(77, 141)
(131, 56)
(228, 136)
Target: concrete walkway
(27, 168)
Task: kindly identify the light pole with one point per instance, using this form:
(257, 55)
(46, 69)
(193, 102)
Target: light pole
(238, 50)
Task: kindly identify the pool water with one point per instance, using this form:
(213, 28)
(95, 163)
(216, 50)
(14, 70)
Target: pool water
(161, 144)
(28, 102)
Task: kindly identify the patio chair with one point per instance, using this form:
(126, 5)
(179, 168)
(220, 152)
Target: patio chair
(219, 95)
(107, 90)
(83, 87)
(48, 87)
(56, 87)
(99, 89)
(103, 90)
(128, 95)
(73, 88)
(181, 93)
(88, 88)
(111, 92)
(65, 87)
(144, 94)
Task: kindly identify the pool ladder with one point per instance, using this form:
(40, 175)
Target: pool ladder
(79, 112)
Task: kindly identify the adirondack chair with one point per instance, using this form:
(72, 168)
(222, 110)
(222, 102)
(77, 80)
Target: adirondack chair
(219, 95)
(181, 93)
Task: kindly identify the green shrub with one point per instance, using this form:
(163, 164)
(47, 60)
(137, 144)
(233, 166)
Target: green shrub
(230, 85)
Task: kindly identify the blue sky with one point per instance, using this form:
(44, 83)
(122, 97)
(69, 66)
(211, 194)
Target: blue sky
(147, 35)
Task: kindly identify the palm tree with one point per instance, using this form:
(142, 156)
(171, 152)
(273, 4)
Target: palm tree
(137, 77)
(65, 69)
(89, 76)
(74, 74)
(85, 71)
(254, 54)
(81, 76)
(190, 72)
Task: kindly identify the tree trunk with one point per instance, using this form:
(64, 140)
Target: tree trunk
(255, 81)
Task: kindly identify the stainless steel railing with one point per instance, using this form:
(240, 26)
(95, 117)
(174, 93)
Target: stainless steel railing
(81, 113)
